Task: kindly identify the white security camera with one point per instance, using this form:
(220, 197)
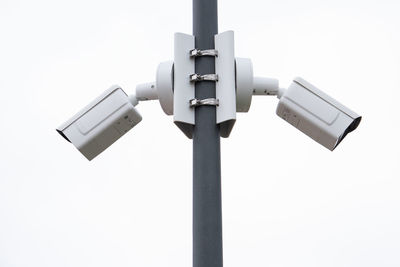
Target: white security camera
(316, 114)
(303, 105)
(111, 115)
(102, 122)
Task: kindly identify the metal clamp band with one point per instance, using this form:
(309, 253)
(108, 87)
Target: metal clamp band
(206, 77)
(204, 102)
(208, 52)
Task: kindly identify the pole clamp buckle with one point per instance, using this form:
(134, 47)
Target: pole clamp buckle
(204, 102)
(207, 52)
(206, 77)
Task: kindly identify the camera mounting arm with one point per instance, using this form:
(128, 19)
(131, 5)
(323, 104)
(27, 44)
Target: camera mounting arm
(265, 86)
(161, 89)
(146, 91)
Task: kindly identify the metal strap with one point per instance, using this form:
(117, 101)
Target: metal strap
(206, 77)
(204, 102)
(199, 53)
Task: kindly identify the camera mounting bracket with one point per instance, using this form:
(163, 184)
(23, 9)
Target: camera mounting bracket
(205, 77)
(185, 79)
(207, 52)
(204, 102)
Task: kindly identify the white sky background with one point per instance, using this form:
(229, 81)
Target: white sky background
(287, 201)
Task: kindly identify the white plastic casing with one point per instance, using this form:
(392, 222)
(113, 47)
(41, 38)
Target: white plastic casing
(225, 87)
(101, 123)
(244, 84)
(164, 86)
(316, 114)
(183, 88)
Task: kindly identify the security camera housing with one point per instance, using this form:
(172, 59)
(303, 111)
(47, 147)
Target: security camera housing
(101, 123)
(316, 114)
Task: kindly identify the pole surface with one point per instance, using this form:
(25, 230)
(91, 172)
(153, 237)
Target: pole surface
(207, 215)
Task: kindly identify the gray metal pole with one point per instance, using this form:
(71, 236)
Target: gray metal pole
(207, 216)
